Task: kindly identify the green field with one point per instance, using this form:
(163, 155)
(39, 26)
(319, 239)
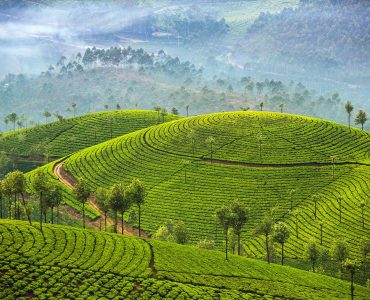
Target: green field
(61, 138)
(296, 154)
(66, 262)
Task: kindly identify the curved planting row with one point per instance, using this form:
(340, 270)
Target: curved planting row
(74, 248)
(160, 155)
(70, 135)
(68, 263)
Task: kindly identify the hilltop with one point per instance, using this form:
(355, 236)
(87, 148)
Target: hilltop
(188, 176)
(66, 262)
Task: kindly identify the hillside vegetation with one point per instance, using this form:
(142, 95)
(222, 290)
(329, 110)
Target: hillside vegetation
(64, 137)
(66, 262)
(296, 153)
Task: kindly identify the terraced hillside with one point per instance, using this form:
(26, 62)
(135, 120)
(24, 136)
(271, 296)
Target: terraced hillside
(70, 135)
(70, 263)
(296, 153)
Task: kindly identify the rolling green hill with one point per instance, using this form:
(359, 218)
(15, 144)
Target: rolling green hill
(70, 135)
(65, 262)
(296, 153)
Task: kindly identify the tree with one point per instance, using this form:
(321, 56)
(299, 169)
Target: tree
(261, 106)
(339, 200)
(158, 110)
(18, 185)
(40, 186)
(124, 205)
(352, 265)
(136, 194)
(163, 114)
(281, 235)
(7, 193)
(281, 105)
(47, 115)
(315, 199)
(102, 200)
(175, 111)
(82, 192)
(260, 139)
(187, 110)
(362, 206)
(239, 218)
(186, 164)
(339, 251)
(191, 137)
(116, 195)
(291, 194)
(224, 218)
(210, 141)
(349, 108)
(361, 118)
(266, 227)
(74, 105)
(180, 232)
(312, 252)
(53, 198)
(296, 214)
(13, 118)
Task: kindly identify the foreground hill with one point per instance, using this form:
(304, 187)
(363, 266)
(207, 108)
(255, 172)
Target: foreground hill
(70, 135)
(66, 262)
(296, 153)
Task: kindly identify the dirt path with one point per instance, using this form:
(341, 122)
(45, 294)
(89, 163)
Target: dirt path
(69, 181)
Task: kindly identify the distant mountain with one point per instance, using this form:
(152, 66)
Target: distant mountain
(317, 35)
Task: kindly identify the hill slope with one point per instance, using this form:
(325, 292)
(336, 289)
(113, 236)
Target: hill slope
(65, 262)
(296, 154)
(70, 135)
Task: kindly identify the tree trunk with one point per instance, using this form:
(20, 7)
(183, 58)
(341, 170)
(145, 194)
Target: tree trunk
(52, 215)
(10, 209)
(122, 223)
(282, 254)
(267, 248)
(105, 221)
(239, 243)
(349, 120)
(24, 204)
(15, 207)
(352, 286)
(45, 215)
(313, 266)
(115, 221)
(41, 211)
(226, 240)
(83, 214)
(139, 221)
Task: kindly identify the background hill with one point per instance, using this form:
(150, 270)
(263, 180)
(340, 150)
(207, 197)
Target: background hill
(69, 263)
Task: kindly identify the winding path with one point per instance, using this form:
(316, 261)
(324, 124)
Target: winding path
(69, 181)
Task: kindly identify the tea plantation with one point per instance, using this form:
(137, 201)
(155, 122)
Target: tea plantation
(70, 263)
(69, 135)
(257, 158)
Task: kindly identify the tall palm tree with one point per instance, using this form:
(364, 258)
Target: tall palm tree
(349, 108)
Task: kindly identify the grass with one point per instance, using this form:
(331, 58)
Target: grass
(156, 155)
(61, 138)
(66, 262)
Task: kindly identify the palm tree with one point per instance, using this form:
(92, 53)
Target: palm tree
(74, 105)
(47, 115)
(240, 217)
(39, 187)
(339, 200)
(281, 105)
(124, 205)
(210, 141)
(83, 193)
(266, 227)
(261, 105)
(296, 213)
(361, 118)
(13, 117)
(187, 110)
(362, 206)
(349, 108)
(53, 199)
(158, 110)
(315, 199)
